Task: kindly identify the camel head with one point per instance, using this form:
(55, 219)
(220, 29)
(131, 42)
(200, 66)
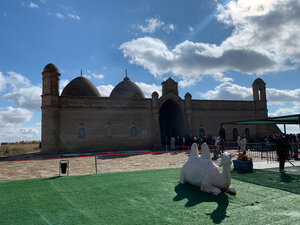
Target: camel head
(226, 159)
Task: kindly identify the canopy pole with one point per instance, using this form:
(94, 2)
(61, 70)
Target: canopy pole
(284, 128)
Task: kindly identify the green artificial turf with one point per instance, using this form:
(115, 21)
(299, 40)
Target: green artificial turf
(149, 197)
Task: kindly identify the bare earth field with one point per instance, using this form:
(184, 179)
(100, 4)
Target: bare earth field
(26, 162)
(18, 148)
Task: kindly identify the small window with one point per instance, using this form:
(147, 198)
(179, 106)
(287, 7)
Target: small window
(81, 132)
(144, 132)
(133, 131)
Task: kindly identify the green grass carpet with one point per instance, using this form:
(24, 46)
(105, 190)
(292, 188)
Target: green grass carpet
(149, 197)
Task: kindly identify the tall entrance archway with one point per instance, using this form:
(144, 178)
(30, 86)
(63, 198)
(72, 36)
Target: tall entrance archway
(171, 121)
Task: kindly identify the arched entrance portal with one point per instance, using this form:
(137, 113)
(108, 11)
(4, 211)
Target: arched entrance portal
(171, 121)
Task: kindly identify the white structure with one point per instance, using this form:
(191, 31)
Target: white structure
(203, 172)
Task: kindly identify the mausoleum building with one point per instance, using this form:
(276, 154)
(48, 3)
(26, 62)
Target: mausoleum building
(81, 120)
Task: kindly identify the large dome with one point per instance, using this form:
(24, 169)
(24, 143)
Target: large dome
(127, 89)
(80, 86)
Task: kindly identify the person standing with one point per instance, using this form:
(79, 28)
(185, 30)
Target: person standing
(282, 151)
(243, 145)
(238, 142)
(217, 147)
(172, 142)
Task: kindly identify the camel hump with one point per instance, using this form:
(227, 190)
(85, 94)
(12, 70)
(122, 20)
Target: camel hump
(205, 153)
(194, 150)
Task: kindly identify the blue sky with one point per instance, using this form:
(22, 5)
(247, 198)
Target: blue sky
(214, 49)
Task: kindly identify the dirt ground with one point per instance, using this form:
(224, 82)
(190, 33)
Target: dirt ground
(18, 148)
(32, 164)
(43, 167)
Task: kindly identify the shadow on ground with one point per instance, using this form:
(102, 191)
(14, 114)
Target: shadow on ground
(195, 197)
(281, 181)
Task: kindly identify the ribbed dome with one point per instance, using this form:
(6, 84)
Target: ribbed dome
(258, 81)
(80, 86)
(127, 89)
(51, 68)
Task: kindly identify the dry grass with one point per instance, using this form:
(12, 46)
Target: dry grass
(18, 148)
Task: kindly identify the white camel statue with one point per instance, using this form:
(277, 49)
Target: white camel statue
(203, 172)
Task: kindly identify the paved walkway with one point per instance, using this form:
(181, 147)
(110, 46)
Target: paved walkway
(38, 166)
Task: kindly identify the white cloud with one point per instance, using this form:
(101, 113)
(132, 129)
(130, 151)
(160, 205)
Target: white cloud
(73, 16)
(148, 89)
(98, 76)
(2, 82)
(220, 77)
(276, 96)
(188, 82)
(264, 39)
(151, 25)
(21, 92)
(63, 83)
(33, 5)
(16, 80)
(29, 98)
(14, 134)
(228, 91)
(286, 111)
(169, 28)
(87, 76)
(91, 75)
(10, 117)
(105, 90)
(190, 28)
(59, 15)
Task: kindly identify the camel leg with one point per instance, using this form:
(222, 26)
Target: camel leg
(231, 190)
(210, 189)
(182, 177)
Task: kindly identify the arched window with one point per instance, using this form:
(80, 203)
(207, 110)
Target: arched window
(201, 133)
(247, 133)
(259, 94)
(133, 131)
(81, 132)
(235, 134)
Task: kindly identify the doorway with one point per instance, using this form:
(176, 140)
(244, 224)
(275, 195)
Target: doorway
(171, 120)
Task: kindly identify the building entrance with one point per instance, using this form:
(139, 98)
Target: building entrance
(171, 120)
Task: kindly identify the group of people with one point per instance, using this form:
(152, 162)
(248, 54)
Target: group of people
(286, 145)
(182, 142)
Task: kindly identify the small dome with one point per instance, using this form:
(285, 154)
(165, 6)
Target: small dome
(80, 86)
(51, 68)
(258, 81)
(127, 89)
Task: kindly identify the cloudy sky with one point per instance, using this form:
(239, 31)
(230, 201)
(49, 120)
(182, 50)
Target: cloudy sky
(214, 49)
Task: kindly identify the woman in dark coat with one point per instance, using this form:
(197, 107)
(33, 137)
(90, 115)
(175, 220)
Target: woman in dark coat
(282, 151)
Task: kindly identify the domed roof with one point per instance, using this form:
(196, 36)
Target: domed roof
(127, 89)
(258, 81)
(80, 86)
(51, 68)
